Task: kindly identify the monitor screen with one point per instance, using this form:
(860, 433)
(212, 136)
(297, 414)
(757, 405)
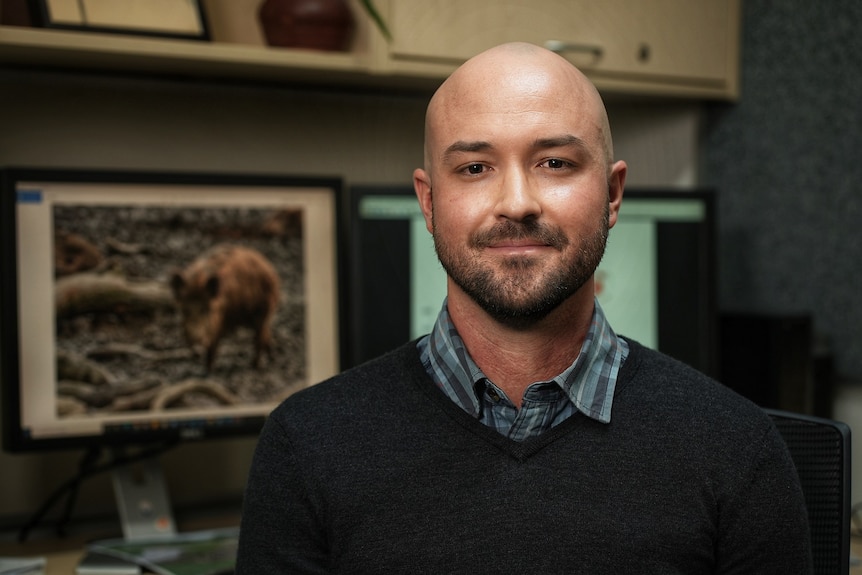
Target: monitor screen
(140, 307)
(656, 282)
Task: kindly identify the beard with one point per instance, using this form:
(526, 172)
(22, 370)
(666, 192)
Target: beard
(522, 290)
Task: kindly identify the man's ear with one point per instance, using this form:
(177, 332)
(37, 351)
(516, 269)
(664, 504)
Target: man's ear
(422, 187)
(616, 183)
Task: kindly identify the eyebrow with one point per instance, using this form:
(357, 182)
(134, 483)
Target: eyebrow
(566, 140)
(561, 142)
(461, 146)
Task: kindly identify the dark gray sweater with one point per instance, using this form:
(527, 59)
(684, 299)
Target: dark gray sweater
(376, 471)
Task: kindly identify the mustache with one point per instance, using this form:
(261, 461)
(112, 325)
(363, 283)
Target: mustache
(526, 230)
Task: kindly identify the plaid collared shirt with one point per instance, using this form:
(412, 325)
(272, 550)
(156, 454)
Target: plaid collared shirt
(586, 386)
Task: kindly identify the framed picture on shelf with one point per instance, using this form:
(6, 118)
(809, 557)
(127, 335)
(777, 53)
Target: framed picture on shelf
(184, 19)
(215, 285)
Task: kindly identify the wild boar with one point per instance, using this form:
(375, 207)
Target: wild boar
(227, 287)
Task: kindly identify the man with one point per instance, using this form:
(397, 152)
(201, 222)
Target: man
(522, 435)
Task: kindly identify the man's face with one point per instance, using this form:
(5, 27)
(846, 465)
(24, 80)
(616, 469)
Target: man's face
(519, 197)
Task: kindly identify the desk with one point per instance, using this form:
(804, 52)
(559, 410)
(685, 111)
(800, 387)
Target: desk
(62, 556)
(63, 562)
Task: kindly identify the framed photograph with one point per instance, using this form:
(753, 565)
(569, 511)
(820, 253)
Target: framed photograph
(187, 295)
(171, 18)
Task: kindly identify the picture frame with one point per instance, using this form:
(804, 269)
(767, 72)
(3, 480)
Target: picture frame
(179, 19)
(90, 264)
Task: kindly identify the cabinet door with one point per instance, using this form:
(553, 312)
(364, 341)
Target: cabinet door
(657, 41)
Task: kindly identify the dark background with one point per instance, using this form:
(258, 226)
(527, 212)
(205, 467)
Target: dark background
(786, 162)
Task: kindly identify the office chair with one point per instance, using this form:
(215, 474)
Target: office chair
(820, 449)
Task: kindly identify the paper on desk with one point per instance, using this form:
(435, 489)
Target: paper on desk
(22, 565)
(95, 563)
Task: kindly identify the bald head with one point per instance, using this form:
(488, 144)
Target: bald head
(513, 78)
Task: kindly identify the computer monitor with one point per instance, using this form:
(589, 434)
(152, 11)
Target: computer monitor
(147, 308)
(656, 282)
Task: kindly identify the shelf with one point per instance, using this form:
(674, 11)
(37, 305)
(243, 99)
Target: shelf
(28, 47)
(373, 64)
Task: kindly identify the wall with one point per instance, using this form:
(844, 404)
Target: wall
(87, 121)
(786, 160)
(55, 119)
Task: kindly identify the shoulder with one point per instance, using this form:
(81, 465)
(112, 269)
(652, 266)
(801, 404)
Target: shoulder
(653, 382)
(366, 408)
(689, 416)
(370, 385)
(653, 372)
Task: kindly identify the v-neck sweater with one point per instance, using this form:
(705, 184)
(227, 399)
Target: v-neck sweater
(377, 471)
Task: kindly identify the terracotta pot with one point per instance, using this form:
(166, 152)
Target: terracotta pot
(315, 24)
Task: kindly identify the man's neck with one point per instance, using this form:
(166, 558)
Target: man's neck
(513, 358)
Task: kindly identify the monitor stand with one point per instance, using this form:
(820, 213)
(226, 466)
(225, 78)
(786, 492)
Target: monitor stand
(145, 515)
(143, 502)
(139, 487)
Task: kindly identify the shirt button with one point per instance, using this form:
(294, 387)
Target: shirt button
(493, 396)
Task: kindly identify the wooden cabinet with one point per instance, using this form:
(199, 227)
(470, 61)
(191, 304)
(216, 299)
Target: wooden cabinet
(671, 47)
(683, 48)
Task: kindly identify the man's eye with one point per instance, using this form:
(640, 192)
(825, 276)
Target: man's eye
(556, 163)
(474, 169)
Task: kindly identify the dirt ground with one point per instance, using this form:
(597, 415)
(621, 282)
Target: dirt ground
(144, 245)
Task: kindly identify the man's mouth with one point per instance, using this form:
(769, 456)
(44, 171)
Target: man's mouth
(520, 238)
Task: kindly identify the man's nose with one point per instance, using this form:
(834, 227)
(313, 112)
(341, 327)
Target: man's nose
(518, 197)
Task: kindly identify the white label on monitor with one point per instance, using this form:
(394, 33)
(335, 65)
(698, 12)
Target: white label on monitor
(427, 279)
(627, 281)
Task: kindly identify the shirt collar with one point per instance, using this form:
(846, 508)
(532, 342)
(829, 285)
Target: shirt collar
(589, 382)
